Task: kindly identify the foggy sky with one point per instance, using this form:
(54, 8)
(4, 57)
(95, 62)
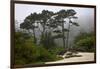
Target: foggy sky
(23, 10)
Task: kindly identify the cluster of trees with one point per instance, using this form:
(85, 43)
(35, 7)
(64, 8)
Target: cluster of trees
(29, 49)
(48, 23)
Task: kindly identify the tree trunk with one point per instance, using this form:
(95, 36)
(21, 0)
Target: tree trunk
(43, 35)
(63, 34)
(67, 45)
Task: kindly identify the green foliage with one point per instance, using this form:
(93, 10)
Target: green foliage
(44, 55)
(23, 49)
(56, 50)
(85, 42)
(83, 35)
(26, 52)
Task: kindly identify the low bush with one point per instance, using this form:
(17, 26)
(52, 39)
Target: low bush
(26, 52)
(85, 42)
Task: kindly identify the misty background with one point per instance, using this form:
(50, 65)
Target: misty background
(85, 18)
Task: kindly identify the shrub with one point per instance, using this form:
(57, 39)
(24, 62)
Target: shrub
(85, 43)
(24, 48)
(26, 52)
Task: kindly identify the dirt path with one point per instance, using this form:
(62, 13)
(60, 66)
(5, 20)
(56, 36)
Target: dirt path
(84, 57)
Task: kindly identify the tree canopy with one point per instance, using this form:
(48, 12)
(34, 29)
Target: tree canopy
(47, 21)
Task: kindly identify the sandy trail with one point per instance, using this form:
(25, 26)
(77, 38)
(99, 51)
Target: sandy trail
(84, 57)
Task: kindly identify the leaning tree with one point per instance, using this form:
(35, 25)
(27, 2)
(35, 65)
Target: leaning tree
(60, 21)
(30, 24)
